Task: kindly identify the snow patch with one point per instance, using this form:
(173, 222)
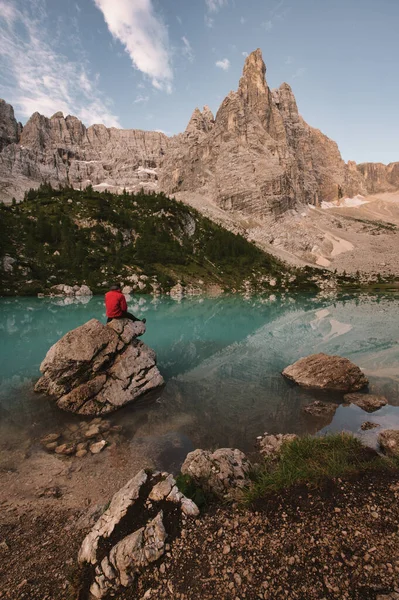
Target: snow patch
(345, 202)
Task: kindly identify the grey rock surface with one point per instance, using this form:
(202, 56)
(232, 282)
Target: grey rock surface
(325, 372)
(270, 445)
(320, 409)
(95, 369)
(132, 551)
(389, 442)
(223, 473)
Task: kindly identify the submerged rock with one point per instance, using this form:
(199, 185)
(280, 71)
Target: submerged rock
(321, 371)
(368, 425)
(320, 409)
(367, 402)
(95, 369)
(222, 473)
(155, 504)
(389, 442)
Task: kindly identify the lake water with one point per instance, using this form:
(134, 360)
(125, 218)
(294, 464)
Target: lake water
(221, 360)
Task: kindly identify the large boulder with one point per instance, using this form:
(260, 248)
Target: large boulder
(324, 372)
(131, 534)
(223, 473)
(270, 445)
(389, 442)
(96, 368)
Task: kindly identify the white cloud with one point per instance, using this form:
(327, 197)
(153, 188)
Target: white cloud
(164, 132)
(36, 77)
(179, 20)
(78, 8)
(288, 60)
(215, 5)
(209, 21)
(144, 36)
(223, 64)
(245, 54)
(267, 25)
(140, 99)
(299, 72)
(187, 50)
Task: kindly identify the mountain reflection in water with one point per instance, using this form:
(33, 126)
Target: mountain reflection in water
(221, 359)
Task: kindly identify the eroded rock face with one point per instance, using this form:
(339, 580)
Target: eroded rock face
(95, 369)
(155, 504)
(389, 442)
(324, 372)
(222, 473)
(257, 156)
(368, 402)
(61, 150)
(10, 129)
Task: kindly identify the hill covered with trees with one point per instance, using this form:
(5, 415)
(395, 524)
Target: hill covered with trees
(74, 237)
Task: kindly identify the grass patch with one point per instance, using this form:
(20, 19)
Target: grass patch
(314, 460)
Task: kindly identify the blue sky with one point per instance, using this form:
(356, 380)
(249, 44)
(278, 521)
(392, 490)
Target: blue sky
(147, 64)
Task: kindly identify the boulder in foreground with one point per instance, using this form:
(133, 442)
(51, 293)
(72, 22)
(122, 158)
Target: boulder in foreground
(96, 368)
(324, 372)
(131, 534)
(223, 473)
(389, 442)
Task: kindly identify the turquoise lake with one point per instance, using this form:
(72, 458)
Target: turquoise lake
(221, 359)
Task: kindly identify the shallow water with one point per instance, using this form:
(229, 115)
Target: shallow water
(221, 360)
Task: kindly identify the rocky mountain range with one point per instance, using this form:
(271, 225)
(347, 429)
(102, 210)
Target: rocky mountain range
(257, 155)
(257, 159)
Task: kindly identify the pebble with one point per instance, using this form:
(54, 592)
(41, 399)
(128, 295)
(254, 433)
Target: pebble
(226, 549)
(97, 447)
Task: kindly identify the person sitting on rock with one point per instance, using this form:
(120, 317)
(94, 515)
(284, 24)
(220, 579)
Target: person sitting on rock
(116, 305)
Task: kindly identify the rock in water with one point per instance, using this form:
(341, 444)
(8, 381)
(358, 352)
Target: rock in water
(367, 402)
(324, 372)
(95, 369)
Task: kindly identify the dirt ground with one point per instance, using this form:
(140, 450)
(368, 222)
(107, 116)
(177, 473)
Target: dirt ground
(335, 543)
(362, 238)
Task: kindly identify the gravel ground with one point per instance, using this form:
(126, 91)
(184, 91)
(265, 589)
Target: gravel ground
(340, 542)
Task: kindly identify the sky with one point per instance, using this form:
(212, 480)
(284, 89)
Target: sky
(147, 64)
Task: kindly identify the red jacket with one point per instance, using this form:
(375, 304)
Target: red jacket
(115, 304)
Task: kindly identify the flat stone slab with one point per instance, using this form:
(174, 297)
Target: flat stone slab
(368, 402)
(325, 372)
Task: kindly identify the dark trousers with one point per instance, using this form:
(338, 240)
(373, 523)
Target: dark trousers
(126, 315)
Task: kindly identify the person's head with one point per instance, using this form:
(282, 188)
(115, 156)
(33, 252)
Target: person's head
(115, 287)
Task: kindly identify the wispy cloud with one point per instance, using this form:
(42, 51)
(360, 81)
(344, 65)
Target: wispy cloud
(144, 36)
(78, 8)
(299, 72)
(187, 49)
(243, 20)
(179, 20)
(245, 54)
(215, 5)
(209, 22)
(223, 64)
(288, 60)
(267, 25)
(35, 76)
(140, 99)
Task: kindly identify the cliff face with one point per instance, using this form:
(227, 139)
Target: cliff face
(257, 156)
(379, 177)
(63, 151)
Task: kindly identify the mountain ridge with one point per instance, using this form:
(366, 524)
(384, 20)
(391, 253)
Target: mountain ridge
(257, 154)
